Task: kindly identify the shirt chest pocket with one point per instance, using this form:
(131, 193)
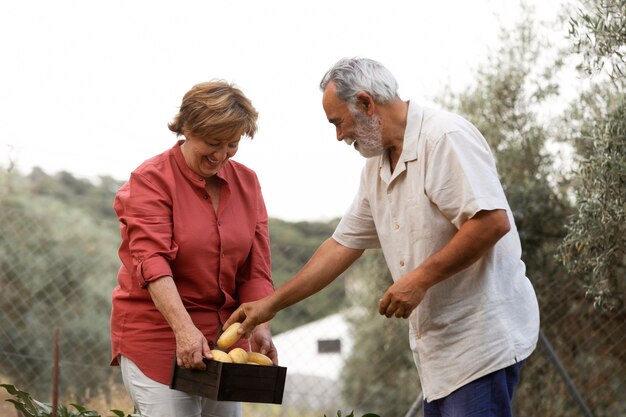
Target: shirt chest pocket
(417, 218)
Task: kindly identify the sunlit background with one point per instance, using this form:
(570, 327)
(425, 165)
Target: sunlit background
(88, 87)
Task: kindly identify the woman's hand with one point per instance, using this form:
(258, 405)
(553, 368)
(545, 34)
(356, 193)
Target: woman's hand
(261, 341)
(191, 348)
(191, 345)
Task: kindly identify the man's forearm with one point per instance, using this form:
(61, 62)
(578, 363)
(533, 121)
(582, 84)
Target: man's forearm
(329, 261)
(477, 236)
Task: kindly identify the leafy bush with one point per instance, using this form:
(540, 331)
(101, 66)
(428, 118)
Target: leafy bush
(29, 407)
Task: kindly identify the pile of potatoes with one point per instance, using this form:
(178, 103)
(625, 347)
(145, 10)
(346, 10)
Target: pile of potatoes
(236, 355)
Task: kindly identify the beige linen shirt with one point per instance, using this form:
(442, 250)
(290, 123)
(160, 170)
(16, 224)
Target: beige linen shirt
(482, 319)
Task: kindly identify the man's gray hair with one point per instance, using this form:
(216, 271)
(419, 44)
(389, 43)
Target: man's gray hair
(354, 75)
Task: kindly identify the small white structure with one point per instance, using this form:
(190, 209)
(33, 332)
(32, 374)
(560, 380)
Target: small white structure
(314, 355)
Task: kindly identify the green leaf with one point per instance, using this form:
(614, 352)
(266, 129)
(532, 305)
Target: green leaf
(10, 388)
(20, 407)
(78, 407)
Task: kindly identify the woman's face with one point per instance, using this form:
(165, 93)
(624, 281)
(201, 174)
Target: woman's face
(206, 156)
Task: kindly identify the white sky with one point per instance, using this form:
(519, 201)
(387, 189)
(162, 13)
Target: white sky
(88, 86)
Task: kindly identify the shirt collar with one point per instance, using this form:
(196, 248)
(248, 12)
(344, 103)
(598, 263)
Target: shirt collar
(415, 116)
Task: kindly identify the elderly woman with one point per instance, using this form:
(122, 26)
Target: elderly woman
(195, 245)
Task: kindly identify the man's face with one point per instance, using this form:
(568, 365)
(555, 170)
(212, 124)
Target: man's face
(353, 126)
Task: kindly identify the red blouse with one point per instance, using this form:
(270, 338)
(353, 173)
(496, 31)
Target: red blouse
(169, 228)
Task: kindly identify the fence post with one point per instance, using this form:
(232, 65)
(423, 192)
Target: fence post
(55, 374)
(563, 372)
(416, 406)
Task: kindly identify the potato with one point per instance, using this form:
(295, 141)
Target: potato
(229, 337)
(238, 355)
(221, 356)
(259, 359)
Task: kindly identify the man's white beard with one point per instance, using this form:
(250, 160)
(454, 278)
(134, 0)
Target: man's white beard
(368, 136)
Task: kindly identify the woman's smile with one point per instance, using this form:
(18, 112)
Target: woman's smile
(206, 156)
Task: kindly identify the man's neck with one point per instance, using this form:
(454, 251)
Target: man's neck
(395, 126)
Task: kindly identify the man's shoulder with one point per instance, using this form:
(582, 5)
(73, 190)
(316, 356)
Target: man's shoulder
(438, 122)
(441, 126)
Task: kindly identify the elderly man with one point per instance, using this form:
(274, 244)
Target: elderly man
(430, 197)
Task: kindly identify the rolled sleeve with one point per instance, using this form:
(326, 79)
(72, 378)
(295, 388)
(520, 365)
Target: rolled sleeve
(153, 268)
(145, 212)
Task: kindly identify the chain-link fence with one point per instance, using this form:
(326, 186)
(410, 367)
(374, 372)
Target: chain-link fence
(340, 354)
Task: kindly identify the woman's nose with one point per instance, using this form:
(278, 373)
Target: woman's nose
(220, 154)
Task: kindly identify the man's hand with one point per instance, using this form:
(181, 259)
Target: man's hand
(191, 347)
(251, 315)
(402, 297)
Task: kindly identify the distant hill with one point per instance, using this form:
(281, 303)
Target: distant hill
(292, 243)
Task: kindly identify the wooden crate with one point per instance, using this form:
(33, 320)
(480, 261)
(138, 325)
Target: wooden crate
(232, 382)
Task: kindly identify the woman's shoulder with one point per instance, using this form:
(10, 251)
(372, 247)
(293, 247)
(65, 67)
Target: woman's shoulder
(156, 165)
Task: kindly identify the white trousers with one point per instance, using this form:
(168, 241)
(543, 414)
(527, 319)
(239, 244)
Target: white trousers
(153, 399)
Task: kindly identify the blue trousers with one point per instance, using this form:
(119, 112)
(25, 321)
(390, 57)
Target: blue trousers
(488, 396)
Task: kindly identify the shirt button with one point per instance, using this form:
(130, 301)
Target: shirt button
(223, 254)
(396, 226)
(401, 263)
(206, 196)
(219, 224)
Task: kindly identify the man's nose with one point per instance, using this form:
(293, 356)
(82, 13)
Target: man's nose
(339, 134)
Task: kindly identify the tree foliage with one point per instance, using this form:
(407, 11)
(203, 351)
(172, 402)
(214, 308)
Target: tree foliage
(594, 249)
(595, 246)
(598, 32)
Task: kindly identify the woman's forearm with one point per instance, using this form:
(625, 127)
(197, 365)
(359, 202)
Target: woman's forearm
(167, 300)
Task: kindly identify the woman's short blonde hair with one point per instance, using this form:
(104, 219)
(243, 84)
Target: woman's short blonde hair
(215, 108)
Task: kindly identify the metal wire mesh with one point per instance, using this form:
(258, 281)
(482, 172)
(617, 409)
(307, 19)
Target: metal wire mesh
(339, 353)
